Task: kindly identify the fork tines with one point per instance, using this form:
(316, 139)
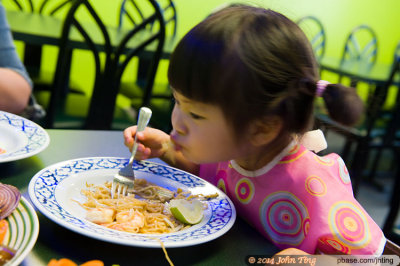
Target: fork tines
(121, 185)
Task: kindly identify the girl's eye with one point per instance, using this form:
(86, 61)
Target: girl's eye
(195, 116)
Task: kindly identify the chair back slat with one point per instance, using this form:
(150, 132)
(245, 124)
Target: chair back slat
(361, 45)
(46, 7)
(23, 5)
(315, 32)
(133, 11)
(397, 52)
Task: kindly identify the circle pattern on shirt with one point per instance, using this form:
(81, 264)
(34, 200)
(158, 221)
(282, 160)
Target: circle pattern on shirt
(343, 172)
(349, 224)
(221, 177)
(325, 245)
(244, 190)
(221, 185)
(324, 160)
(284, 218)
(294, 149)
(315, 186)
(306, 226)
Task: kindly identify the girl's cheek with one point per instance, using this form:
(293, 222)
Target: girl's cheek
(174, 115)
(177, 121)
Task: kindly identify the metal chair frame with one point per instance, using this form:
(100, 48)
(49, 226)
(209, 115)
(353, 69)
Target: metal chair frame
(363, 138)
(367, 52)
(44, 7)
(108, 75)
(132, 12)
(318, 40)
(32, 52)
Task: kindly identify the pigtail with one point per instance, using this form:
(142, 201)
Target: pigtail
(343, 104)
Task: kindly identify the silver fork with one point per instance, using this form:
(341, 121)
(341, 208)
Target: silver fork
(125, 178)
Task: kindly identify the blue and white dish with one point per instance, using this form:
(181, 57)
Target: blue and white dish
(20, 137)
(56, 189)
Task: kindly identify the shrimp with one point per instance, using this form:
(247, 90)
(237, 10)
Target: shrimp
(129, 221)
(101, 215)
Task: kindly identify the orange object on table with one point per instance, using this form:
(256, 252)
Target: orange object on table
(68, 262)
(3, 229)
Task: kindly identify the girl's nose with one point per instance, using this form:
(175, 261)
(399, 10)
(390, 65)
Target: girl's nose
(177, 122)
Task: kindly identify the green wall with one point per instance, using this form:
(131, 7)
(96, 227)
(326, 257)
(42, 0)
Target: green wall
(339, 17)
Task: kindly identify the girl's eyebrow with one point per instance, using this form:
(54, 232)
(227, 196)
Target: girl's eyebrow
(183, 99)
(186, 101)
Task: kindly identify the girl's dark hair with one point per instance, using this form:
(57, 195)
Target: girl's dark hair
(255, 63)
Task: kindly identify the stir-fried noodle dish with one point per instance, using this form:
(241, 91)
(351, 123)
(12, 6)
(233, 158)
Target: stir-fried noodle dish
(144, 210)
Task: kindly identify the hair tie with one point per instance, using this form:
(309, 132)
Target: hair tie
(321, 86)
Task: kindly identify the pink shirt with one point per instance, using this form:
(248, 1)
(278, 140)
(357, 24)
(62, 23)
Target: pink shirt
(300, 200)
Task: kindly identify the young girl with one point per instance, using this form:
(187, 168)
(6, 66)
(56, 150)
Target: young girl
(244, 82)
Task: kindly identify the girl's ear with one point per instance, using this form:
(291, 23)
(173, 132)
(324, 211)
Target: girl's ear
(264, 131)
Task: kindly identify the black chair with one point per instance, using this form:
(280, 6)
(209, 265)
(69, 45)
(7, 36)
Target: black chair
(361, 44)
(315, 32)
(391, 141)
(112, 50)
(32, 56)
(360, 48)
(131, 13)
(391, 132)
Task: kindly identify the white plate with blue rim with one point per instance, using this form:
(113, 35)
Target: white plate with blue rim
(20, 138)
(56, 190)
(23, 230)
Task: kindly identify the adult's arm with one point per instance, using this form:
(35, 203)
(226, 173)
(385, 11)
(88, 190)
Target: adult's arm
(15, 84)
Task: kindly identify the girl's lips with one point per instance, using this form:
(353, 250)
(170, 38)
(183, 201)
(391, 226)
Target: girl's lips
(177, 147)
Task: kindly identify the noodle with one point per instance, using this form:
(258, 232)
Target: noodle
(143, 211)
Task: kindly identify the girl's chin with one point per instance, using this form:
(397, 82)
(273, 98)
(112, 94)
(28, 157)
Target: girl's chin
(197, 160)
(190, 157)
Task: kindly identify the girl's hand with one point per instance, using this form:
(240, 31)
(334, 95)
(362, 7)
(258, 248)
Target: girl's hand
(292, 251)
(152, 142)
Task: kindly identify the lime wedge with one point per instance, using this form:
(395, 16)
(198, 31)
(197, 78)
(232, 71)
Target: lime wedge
(187, 211)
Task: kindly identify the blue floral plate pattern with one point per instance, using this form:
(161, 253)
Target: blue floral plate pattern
(20, 138)
(56, 189)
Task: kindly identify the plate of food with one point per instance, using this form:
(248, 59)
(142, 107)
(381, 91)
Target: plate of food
(76, 194)
(20, 138)
(19, 234)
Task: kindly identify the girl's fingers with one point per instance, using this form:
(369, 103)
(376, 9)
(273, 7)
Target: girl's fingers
(143, 152)
(140, 136)
(128, 136)
(147, 152)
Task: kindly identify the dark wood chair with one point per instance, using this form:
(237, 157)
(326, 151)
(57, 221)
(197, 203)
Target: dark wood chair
(111, 49)
(315, 32)
(391, 248)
